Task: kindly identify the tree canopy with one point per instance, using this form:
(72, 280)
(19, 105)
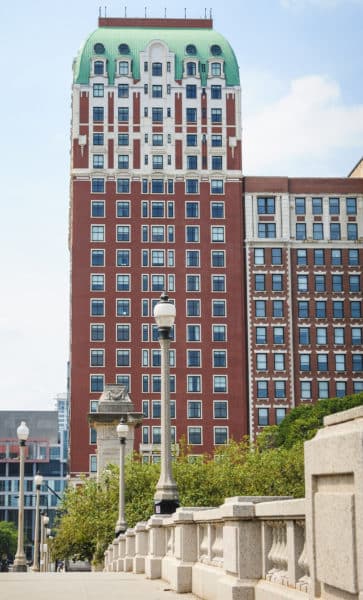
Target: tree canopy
(8, 539)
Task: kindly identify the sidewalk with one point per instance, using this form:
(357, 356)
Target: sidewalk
(85, 586)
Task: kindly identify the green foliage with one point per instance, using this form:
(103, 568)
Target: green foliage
(8, 539)
(274, 466)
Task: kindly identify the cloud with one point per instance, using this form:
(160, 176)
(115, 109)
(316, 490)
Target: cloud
(306, 126)
(318, 3)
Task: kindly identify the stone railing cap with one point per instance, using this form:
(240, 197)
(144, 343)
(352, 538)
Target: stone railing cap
(282, 508)
(344, 416)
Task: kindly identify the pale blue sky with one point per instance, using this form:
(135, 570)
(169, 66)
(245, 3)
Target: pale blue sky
(301, 74)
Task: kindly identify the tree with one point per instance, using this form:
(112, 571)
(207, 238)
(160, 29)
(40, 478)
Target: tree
(8, 539)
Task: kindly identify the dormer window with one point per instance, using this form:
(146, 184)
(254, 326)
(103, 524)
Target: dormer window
(191, 68)
(216, 69)
(216, 50)
(191, 49)
(124, 49)
(123, 67)
(99, 48)
(99, 67)
(157, 69)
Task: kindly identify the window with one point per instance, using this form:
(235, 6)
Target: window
(193, 308)
(158, 161)
(157, 283)
(192, 233)
(97, 383)
(98, 113)
(300, 231)
(216, 92)
(279, 414)
(194, 409)
(337, 283)
(219, 358)
(97, 358)
(305, 390)
(219, 333)
(335, 231)
(340, 389)
(263, 417)
(321, 336)
(216, 140)
(317, 206)
(357, 335)
(218, 283)
(220, 409)
(320, 309)
(123, 67)
(266, 230)
(156, 69)
(217, 163)
(260, 308)
(123, 114)
(353, 257)
(122, 333)
(216, 115)
(220, 435)
(276, 256)
(279, 361)
(193, 358)
(191, 68)
(123, 208)
(280, 389)
(97, 283)
(261, 361)
(123, 139)
(123, 283)
(319, 283)
(191, 91)
(262, 388)
(216, 69)
(191, 115)
(219, 383)
(123, 90)
(323, 389)
(357, 362)
(217, 210)
(192, 162)
(302, 283)
(318, 232)
(191, 186)
(266, 206)
(123, 186)
(217, 234)
(217, 186)
(123, 161)
(97, 307)
(304, 335)
(193, 283)
(334, 206)
(97, 233)
(278, 335)
(156, 435)
(304, 362)
(340, 362)
(357, 387)
(319, 257)
(339, 335)
(191, 139)
(338, 309)
(352, 231)
(98, 185)
(300, 206)
(355, 309)
(97, 332)
(277, 282)
(157, 91)
(218, 308)
(322, 362)
(351, 206)
(194, 383)
(336, 257)
(218, 258)
(303, 309)
(192, 258)
(98, 67)
(157, 258)
(97, 258)
(123, 233)
(260, 285)
(301, 257)
(123, 258)
(123, 308)
(259, 256)
(194, 436)
(261, 335)
(98, 90)
(193, 333)
(98, 139)
(157, 233)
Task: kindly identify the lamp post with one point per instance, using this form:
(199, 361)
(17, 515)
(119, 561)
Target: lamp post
(38, 479)
(166, 499)
(20, 558)
(44, 520)
(122, 431)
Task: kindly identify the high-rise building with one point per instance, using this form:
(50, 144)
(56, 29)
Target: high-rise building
(156, 205)
(265, 272)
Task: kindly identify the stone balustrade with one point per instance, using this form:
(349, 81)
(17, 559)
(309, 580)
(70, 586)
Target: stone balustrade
(265, 548)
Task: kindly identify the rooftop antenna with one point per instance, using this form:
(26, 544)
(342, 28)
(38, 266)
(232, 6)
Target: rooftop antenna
(185, 13)
(145, 12)
(125, 11)
(205, 13)
(210, 13)
(99, 11)
(164, 13)
(105, 11)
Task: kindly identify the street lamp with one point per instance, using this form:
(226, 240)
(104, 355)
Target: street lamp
(166, 499)
(122, 431)
(38, 480)
(20, 559)
(44, 520)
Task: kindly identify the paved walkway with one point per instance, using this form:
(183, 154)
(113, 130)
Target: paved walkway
(85, 586)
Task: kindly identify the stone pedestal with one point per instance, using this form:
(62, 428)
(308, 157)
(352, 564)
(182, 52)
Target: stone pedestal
(114, 404)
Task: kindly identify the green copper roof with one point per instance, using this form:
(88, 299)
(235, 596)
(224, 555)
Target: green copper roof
(138, 38)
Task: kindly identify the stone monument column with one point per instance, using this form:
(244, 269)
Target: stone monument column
(114, 404)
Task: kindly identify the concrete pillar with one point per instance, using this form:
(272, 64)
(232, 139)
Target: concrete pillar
(156, 547)
(141, 547)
